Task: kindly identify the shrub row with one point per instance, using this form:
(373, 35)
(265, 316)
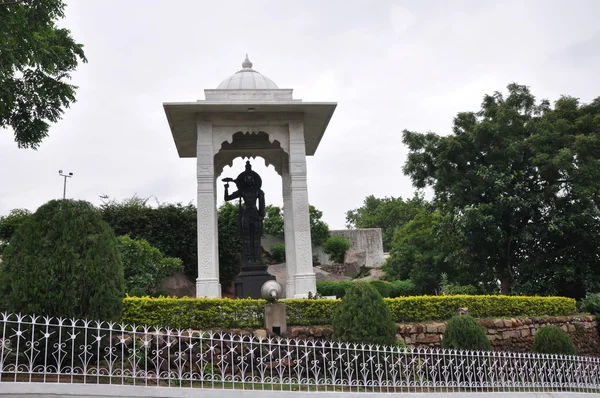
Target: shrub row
(386, 289)
(247, 313)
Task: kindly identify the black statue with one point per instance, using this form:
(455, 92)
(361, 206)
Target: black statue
(253, 273)
(251, 219)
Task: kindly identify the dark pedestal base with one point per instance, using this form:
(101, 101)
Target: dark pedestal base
(250, 280)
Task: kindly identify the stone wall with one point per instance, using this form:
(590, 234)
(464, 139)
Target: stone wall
(505, 334)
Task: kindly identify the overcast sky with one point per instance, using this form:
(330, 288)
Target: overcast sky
(390, 65)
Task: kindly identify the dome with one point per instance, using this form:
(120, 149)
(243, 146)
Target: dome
(247, 79)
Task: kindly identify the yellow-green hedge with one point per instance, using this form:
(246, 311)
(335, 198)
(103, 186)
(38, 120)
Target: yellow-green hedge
(247, 313)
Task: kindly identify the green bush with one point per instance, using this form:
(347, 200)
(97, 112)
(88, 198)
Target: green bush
(423, 308)
(336, 247)
(591, 303)
(199, 313)
(63, 261)
(386, 289)
(363, 317)
(553, 340)
(463, 332)
(278, 252)
(402, 288)
(144, 266)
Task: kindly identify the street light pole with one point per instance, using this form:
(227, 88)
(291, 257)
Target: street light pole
(69, 175)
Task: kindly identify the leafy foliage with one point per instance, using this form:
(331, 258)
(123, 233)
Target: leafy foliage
(463, 332)
(386, 289)
(144, 266)
(520, 183)
(203, 313)
(421, 308)
(363, 317)
(273, 221)
(385, 213)
(336, 247)
(37, 60)
(10, 223)
(278, 252)
(63, 261)
(171, 228)
(449, 288)
(553, 340)
(319, 230)
(230, 245)
(591, 303)
(197, 313)
(274, 225)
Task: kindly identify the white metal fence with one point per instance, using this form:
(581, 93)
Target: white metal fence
(54, 350)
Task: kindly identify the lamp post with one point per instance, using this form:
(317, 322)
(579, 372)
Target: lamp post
(60, 172)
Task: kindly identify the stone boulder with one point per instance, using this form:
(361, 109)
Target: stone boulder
(354, 260)
(179, 285)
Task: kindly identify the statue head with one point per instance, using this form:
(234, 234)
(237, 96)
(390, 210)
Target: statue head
(248, 178)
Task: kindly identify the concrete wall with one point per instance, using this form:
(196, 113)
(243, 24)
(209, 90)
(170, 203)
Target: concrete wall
(54, 390)
(367, 239)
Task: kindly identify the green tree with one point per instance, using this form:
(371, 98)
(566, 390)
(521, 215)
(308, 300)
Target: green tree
(230, 245)
(38, 58)
(385, 213)
(144, 266)
(363, 317)
(521, 181)
(273, 221)
(10, 223)
(63, 261)
(274, 225)
(171, 228)
(429, 246)
(319, 230)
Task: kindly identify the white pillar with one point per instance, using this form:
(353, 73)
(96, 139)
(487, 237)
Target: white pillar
(288, 227)
(207, 284)
(305, 280)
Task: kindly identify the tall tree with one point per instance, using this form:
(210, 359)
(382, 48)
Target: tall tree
(385, 213)
(36, 61)
(171, 228)
(519, 178)
(10, 223)
(274, 225)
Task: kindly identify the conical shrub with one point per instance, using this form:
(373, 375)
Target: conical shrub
(553, 340)
(63, 261)
(463, 332)
(363, 317)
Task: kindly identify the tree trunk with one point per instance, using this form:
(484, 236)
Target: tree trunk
(505, 284)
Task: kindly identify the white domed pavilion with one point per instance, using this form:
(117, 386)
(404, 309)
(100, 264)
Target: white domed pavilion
(248, 115)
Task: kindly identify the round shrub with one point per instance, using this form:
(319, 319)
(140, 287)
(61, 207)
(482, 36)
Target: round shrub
(363, 317)
(464, 333)
(553, 340)
(591, 303)
(63, 261)
(336, 247)
(278, 252)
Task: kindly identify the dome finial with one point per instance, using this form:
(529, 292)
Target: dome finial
(247, 64)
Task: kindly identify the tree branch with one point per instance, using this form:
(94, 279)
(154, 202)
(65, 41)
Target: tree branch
(7, 3)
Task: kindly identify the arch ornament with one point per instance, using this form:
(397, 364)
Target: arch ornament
(272, 145)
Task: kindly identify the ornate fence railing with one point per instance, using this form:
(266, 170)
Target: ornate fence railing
(54, 350)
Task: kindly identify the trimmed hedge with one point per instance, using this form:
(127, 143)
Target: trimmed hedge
(195, 313)
(385, 288)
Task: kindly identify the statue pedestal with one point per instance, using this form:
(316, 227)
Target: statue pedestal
(275, 318)
(250, 280)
